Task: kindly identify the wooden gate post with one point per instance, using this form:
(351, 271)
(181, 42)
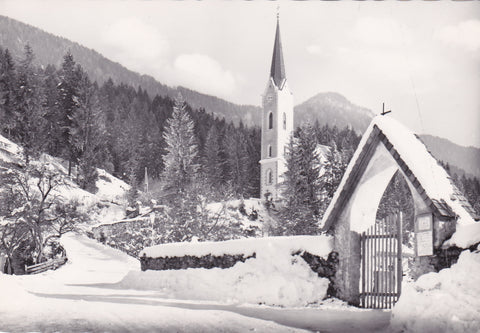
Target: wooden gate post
(399, 253)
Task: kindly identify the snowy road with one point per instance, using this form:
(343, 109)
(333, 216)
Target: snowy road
(83, 296)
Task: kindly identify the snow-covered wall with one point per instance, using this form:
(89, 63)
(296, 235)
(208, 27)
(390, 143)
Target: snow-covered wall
(277, 275)
(317, 245)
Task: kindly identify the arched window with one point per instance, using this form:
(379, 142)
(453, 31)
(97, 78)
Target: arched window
(270, 120)
(284, 121)
(269, 150)
(269, 177)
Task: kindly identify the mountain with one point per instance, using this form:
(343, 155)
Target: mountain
(333, 109)
(326, 108)
(50, 49)
(465, 158)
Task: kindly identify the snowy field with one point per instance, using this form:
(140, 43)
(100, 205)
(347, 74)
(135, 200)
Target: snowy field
(87, 294)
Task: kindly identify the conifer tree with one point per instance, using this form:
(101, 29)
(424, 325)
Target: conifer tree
(212, 161)
(28, 112)
(87, 132)
(8, 86)
(181, 159)
(237, 161)
(301, 186)
(51, 129)
(67, 104)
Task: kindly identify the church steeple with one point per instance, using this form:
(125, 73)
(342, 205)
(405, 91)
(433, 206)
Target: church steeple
(277, 125)
(277, 70)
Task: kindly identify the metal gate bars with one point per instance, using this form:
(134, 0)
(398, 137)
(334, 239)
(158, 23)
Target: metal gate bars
(381, 252)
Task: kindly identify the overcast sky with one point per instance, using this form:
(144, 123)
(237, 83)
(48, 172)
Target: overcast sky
(421, 58)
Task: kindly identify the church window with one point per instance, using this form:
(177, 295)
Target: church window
(270, 120)
(269, 177)
(284, 121)
(269, 150)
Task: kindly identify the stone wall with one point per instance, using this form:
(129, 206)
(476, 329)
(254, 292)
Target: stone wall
(208, 261)
(324, 268)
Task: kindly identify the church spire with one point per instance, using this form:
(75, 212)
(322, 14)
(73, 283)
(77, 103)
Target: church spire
(277, 71)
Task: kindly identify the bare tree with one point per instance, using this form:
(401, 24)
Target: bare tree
(29, 197)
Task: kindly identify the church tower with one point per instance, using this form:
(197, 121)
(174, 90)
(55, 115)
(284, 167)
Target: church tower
(277, 124)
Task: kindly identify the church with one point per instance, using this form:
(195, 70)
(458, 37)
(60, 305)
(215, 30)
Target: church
(277, 124)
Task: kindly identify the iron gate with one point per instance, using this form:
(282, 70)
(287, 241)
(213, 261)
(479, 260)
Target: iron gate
(381, 249)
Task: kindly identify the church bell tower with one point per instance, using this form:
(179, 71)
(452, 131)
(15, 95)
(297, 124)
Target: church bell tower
(277, 124)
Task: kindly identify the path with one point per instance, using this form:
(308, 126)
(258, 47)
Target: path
(83, 296)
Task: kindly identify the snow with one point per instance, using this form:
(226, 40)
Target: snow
(317, 245)
(8, 146)
(431, 175)
(111, 190)
(447, 301)
(231, 208)
(465, 236)
(273, 277)
(84, 296)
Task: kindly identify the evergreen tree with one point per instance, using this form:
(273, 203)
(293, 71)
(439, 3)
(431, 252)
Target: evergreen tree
(28, 117)
(67, 106)
(87, 132)
(8, 88)
(253, 167)
(212, 160)
(180, 160)
(52, 129)
(237, 160)
(301, 186)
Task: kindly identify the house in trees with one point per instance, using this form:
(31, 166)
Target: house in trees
(370, 251)
(277, 123)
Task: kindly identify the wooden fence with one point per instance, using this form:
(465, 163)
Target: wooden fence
(45, 266)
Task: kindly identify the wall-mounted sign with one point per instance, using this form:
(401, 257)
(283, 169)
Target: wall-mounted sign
(424, 235)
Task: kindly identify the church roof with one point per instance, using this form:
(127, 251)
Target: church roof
(277, 70)
(427, 176)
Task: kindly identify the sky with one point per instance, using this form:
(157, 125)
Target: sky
(422, 59)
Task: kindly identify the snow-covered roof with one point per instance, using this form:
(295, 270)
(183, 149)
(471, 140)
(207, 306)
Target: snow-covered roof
(425, 173)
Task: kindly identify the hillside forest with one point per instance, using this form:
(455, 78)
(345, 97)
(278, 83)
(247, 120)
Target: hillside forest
(189, 156)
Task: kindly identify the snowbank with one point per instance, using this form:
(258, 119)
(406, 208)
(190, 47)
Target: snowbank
(447, 301)
(274, 277)
(465, 236)
(110, 188)
(318, 245)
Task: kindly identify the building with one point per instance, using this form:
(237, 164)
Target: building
(369, 272)
(277, 124)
